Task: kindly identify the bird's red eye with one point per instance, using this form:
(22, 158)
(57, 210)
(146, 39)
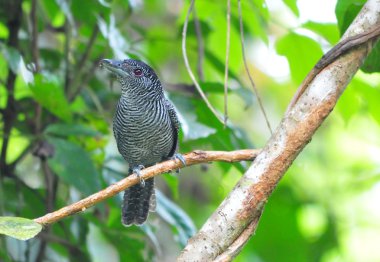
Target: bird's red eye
(138, 72)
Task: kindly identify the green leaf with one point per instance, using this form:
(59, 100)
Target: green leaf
(4, 32)
(104, 3)
(87, 12)
(191, 128)
(218, 64)
(19, 227)
(116, 40)
(328, 31)
(370, 99)
(372, 62)
(12, 56)
(65, 8)
(292, 4)
(149, 232)
(349, 103)
(52, 12)
(255, 17)
(302, 53)
(215, 87)
(61, 129)
(16, 63)
(172, 182)
(74, 166)
(176, 217)
(48, 92)
(95, 240)
(346, 11)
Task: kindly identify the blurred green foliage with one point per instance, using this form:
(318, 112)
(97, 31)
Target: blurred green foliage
(57, 146)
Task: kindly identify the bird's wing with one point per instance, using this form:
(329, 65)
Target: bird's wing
(175, 124)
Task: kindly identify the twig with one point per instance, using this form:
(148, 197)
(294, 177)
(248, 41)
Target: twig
(35, 58)
(90, 44)
(227, 62)
(201, 51)
(199, 89)
(51, 188)
(247, 69)
(192, 158)
(64, 242)
(184, 89)
(34, 38)
(67, 55)
(84, 80)
(79, 67)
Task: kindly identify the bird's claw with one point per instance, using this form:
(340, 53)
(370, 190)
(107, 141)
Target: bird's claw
(180, 158)
(137, 171)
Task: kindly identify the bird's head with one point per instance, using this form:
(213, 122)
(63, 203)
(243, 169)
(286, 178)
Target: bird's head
(134, 76)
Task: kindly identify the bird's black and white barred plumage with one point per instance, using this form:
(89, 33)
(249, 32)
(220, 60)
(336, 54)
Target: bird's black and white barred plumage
(146, 128)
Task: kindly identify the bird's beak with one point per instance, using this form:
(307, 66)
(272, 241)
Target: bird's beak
(114, 66)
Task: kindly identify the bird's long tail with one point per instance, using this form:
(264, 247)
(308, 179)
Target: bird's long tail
(137, 203)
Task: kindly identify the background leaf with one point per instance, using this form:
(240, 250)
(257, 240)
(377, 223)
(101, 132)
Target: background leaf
(328, 31)
(19, 227)
(73, 164)
(182, 224)
(294, 47)
(346, 11)
(49, 93)
(62, 129)
(68, 102)
(292, 4)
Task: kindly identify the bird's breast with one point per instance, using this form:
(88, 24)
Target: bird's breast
(144, 135)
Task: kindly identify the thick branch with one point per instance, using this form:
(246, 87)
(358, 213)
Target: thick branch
(192, 158)
(246, 201)
(235, 248)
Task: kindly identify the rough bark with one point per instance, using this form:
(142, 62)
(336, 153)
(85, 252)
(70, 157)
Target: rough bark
(245, 202)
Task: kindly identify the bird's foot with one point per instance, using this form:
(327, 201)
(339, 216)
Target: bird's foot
(137, 171)
(178, 156)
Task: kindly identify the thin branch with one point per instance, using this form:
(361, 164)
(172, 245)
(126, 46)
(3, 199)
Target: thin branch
(227, 62)
(90, 44)
(201, 51)
(184, 89)
(34, 38)
(246, 201)
(85, 78)
(50, 197)
(192, 158)
(247, 69)
(64, 242)
(35, 59)
(199, 89)
(67, 55)
(79, 67)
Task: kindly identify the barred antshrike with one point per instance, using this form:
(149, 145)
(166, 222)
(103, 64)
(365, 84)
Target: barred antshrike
(146, 130)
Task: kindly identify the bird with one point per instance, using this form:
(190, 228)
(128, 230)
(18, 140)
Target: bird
(146, 128)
